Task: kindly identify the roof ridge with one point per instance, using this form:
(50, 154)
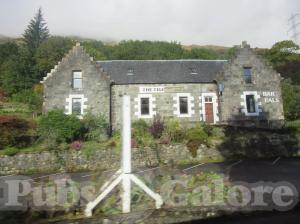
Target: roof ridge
(175, 60)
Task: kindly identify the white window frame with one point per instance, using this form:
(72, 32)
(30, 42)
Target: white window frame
(73, 73)
(152, 106)
(215, 106)
(257, 103)
(69, 105)
(190, 101)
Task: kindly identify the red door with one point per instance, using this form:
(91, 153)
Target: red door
(209, 113)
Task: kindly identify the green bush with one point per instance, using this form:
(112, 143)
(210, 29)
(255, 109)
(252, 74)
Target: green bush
(141, 133)
(195, 137)
(95, 127)
(213, 131)
(58, 127)
(10, 151)
(173, 131)
(197, 133)
(291, 100)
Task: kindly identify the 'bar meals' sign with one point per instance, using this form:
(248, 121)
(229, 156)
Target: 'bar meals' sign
(270, 97)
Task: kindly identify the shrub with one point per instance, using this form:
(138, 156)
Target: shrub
(95, 127)
(213, 131)
(15, 131)
(139, 127)
(59, 127)
(197, 133)
(10, 151)
(195, 137)
(173, 131)
(157, 127)
(218, 132)
(141, 134)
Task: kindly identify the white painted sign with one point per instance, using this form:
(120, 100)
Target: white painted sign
(152, 89)
(270, 97)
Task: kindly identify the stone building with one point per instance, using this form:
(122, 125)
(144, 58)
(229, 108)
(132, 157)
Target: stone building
(242, 91)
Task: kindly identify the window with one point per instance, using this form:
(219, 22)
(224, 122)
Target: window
(208, 99)
(247, 75)
(250, 103)
(193, 71)
(130, 71)
(76, 106)
(77, 80)
(145, 107)
(183, 105)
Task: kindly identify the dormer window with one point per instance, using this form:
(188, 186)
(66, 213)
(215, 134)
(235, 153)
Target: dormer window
(247, 75)
(77, 80)
(193, 71)
(130, 71)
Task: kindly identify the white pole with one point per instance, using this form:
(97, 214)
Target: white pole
(124, 175)
(126, 154)
(126, 135)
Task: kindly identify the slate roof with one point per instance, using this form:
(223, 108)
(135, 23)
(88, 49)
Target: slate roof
(162, 71)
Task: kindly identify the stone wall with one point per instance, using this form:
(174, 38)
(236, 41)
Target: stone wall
(265, 82)
(95, 90)
(109, 159)
(164, 102)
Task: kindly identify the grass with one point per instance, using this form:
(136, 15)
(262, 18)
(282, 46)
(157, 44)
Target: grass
(16, 109)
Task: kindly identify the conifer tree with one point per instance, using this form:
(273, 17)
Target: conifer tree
(36, 32)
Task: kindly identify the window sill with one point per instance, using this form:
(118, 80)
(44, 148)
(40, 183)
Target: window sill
(184, 115)
(145, 116)
(256, 114)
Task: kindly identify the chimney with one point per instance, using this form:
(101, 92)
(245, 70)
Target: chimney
(245, 44)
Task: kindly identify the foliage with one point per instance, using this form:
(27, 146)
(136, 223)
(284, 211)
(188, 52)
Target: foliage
(213, 131)
(146, 50)
(96, 49)
(49, 53)
(201, 53)
(157, 127)
(95, 127)
(59, 127)
(285, 59)
(17, 72)
(281, 52)
(195, 137)
(173, 131)
(291, 100)
(7, 50)
(15, 131)
(89, 148)
(114, 141)
(29, 97)
(3, 95)
(294, 126)
(10, 151)
(141, 134)
(36, 32)
(290, 70)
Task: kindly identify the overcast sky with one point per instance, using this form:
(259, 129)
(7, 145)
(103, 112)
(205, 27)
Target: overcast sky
(217, 22)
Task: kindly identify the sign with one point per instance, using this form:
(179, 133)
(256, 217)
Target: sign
(152, 89)
(270, 97)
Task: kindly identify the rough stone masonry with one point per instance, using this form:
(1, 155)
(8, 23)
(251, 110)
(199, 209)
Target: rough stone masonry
(243, 91)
